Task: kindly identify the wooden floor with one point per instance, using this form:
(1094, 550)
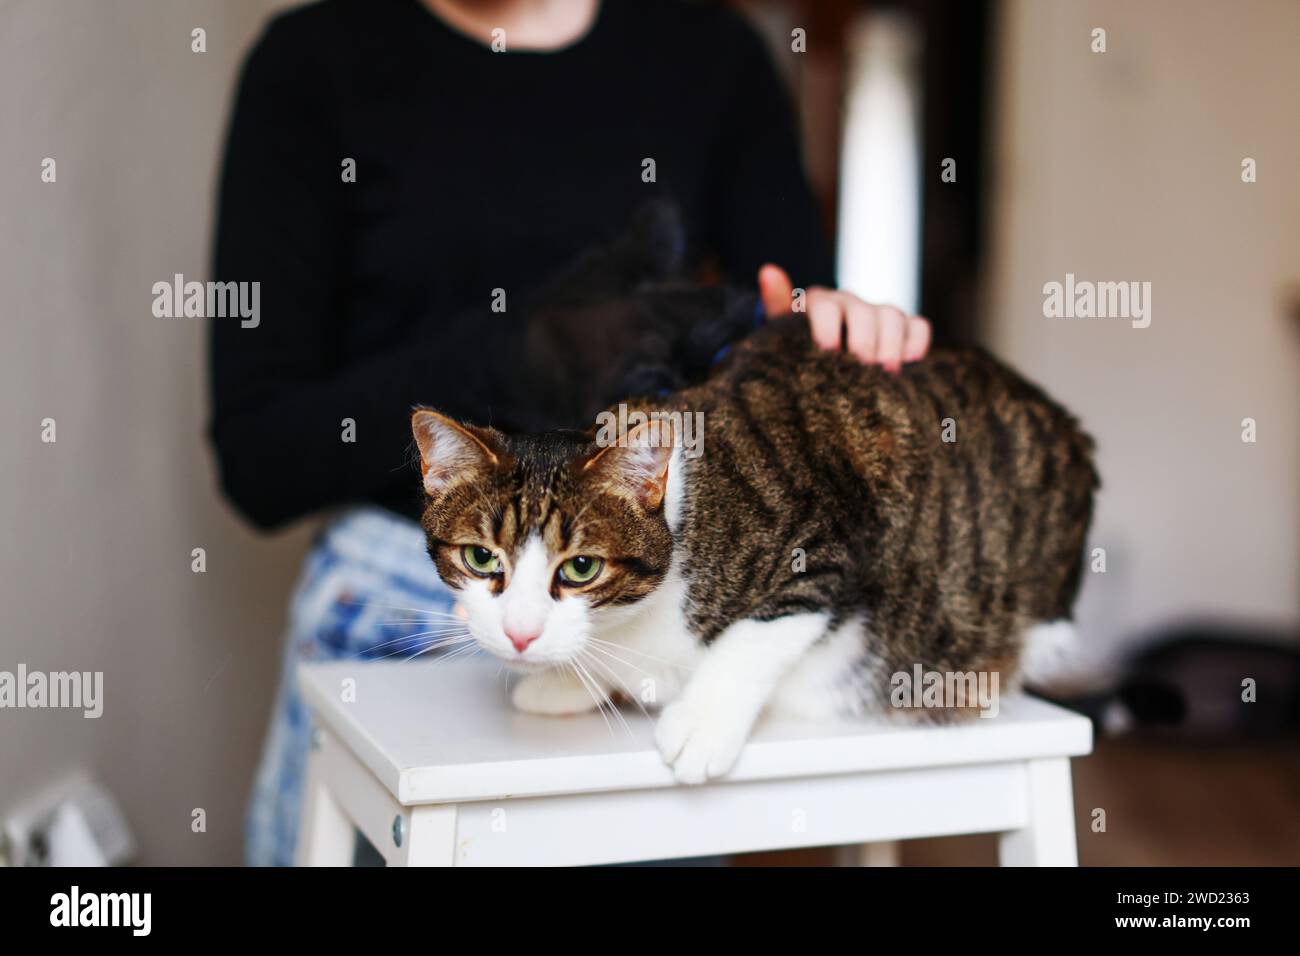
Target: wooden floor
(1166, 804)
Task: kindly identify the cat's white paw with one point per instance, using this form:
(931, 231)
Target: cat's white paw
(552, 693)
(700, 741)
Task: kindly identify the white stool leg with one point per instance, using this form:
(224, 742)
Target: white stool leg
(1048, 839)
(432, 837)
(325, 834)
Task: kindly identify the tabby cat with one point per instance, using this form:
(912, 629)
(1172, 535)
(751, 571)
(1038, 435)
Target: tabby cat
(830, 527)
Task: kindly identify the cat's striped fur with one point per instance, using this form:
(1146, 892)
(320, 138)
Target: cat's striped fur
(828, 536)
(953, 547)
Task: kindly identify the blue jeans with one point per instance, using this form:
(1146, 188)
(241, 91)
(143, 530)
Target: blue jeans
(361, 596)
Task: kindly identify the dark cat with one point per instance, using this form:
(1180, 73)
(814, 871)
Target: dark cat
(801, 533)
(1206, 681)
(620, 320)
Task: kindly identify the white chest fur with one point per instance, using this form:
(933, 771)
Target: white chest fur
(649, 648)
(658, 651)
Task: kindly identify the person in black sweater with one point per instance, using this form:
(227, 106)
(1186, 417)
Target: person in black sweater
(387, 171)
(474, 171)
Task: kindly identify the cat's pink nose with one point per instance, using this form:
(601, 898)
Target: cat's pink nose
(521, 638)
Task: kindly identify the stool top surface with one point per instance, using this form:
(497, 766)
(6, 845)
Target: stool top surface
(445, 731)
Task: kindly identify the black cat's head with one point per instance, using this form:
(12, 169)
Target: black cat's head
(624, 322)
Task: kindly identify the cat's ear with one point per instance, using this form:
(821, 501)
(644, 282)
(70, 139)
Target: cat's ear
(450, 451)
(638, 463)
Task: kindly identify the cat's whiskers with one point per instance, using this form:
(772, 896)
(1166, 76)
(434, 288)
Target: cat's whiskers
(416, 621)
(633, 650)
(467, 649)
(436, 644)
(613, 708)
(625, 663)
(435, 632)
(572, 665)
(600, 648)
(618, 680)
(465, 646)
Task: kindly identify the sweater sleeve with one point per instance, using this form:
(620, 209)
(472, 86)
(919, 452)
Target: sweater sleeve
(768, 211)
(280, 391)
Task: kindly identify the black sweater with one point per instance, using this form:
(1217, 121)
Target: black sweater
(475, 171)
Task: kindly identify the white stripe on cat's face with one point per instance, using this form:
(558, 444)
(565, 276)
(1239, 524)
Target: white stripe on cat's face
(524, 625)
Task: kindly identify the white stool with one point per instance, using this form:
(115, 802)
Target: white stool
(430, 762)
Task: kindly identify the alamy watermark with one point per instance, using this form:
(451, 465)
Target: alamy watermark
(133, 911)
(1084, 299)
(208, 300)
(666, 429)
(77, 690)
(941, 690)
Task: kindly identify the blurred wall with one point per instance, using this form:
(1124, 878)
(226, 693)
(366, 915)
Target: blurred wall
(1126, 165)
(99, 526)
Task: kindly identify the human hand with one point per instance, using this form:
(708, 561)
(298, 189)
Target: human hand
(877, 334)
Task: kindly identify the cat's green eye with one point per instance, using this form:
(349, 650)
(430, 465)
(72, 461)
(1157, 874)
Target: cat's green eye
(581, 569)
(480, 560)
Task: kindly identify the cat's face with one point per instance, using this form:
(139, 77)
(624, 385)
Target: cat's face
(548, 538)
